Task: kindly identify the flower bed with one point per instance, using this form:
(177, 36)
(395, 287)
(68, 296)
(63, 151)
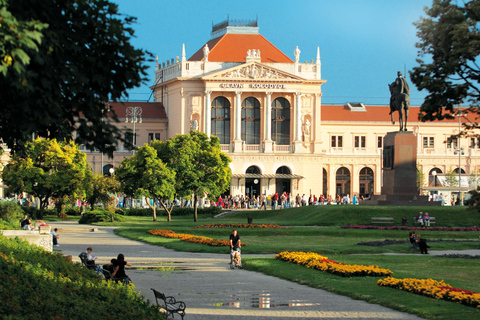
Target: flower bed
(191, 238)
(321, 263)
(411, 228)
(433, 289)
(241, 225)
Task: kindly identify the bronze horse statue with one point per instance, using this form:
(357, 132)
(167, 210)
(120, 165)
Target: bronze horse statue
(400, 101)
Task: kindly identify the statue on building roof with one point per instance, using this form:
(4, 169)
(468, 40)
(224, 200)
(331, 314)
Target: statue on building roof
(206, 51)
(297, 54)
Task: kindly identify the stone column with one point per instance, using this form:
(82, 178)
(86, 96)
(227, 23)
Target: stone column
(208, 113)
(298, 123)
(267, 144)
(237, 144)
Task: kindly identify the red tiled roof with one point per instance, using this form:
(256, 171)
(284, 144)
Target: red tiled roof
(150, 110)
(375, 113)
(234, 47)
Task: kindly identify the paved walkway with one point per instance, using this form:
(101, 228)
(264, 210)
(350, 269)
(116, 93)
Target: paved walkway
(209, 288)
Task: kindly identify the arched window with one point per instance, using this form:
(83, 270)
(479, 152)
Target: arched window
(456, 171)
(251, 121)
(432, 177)
(253, 169)
(283, 170)
(342, 181)
(106, 170)
(221, 119)
(281, 121)
(366, 181)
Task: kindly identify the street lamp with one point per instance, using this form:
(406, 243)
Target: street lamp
(111, 170)
(434, 174)
(134, 115)
(460, 152)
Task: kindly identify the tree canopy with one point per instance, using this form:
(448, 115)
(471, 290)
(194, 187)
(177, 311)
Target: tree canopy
(448, 58)
(199, 163)
(59, 81)
(99, 188)
(145, 174)
(49, 169)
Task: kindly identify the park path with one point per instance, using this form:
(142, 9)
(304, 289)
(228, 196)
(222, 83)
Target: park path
(209, 288)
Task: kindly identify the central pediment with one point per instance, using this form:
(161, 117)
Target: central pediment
(251, 71)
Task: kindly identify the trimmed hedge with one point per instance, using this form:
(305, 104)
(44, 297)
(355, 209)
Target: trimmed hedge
(176, 211)
(100, 216)
(42, 285)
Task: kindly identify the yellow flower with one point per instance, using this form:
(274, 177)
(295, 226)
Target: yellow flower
(8, 59)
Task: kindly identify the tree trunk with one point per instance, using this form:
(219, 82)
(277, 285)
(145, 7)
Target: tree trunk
(195, 208)
(154, 208)
(168, 211)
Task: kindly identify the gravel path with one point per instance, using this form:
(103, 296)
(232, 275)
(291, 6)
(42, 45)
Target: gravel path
(209, 288)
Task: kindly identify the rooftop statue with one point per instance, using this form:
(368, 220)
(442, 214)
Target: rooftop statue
(400, 100)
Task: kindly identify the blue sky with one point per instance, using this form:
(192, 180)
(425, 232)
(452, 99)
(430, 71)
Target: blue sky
(363, 43)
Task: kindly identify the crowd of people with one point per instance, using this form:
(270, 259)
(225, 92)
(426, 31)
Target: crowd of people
(284, 200)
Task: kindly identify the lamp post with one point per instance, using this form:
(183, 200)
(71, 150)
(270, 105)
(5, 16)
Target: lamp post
(134, 115)
(460, 152)
(434, 174)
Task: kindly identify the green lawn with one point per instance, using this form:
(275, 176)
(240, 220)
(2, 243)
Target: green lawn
(317, 229)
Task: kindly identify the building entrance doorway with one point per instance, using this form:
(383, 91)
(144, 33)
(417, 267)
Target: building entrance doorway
(252, 184)
(281, 184)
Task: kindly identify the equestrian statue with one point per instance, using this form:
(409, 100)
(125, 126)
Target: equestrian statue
(400, 100)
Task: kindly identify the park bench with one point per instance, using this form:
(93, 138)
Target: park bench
(382, 220)
(169, 306)
(432, 221)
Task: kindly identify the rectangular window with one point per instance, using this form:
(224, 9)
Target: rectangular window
(452, 143)
(153, 136)
(380, 142)
(129, 143)
(428, 142)
(337, 142)
(360, 141)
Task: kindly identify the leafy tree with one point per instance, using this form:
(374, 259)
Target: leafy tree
(49, 169)
(84, 59)
(451, 179)
(99, 189)
(199, 163)
(17, 36)
(420, 178)
(448, 56)
(145, 174)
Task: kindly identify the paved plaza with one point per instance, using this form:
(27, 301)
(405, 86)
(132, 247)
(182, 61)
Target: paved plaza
(207, 285)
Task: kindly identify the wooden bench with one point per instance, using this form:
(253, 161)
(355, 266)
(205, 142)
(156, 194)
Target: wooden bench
(382, 220)
(432, 221)
(169, 305)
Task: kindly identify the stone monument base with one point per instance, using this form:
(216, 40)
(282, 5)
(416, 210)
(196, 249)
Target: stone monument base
(33, 237)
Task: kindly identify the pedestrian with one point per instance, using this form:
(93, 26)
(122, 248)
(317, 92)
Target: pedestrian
(55, 237)
(235, 246)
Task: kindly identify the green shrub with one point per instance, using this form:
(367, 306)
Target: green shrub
(73, 211)
(42, 285)
(7, 225)
(100, 215)
(139, 212)
(35, 213)
(10, 211)
(201, 211)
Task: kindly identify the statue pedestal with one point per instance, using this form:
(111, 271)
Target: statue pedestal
(400, 173)
(400, 164)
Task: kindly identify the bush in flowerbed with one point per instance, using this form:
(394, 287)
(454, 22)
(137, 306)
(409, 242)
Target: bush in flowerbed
(7, 225)
(100, 215)
(321, 263)
(37, 284)
(433, 289)
(10, 211)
